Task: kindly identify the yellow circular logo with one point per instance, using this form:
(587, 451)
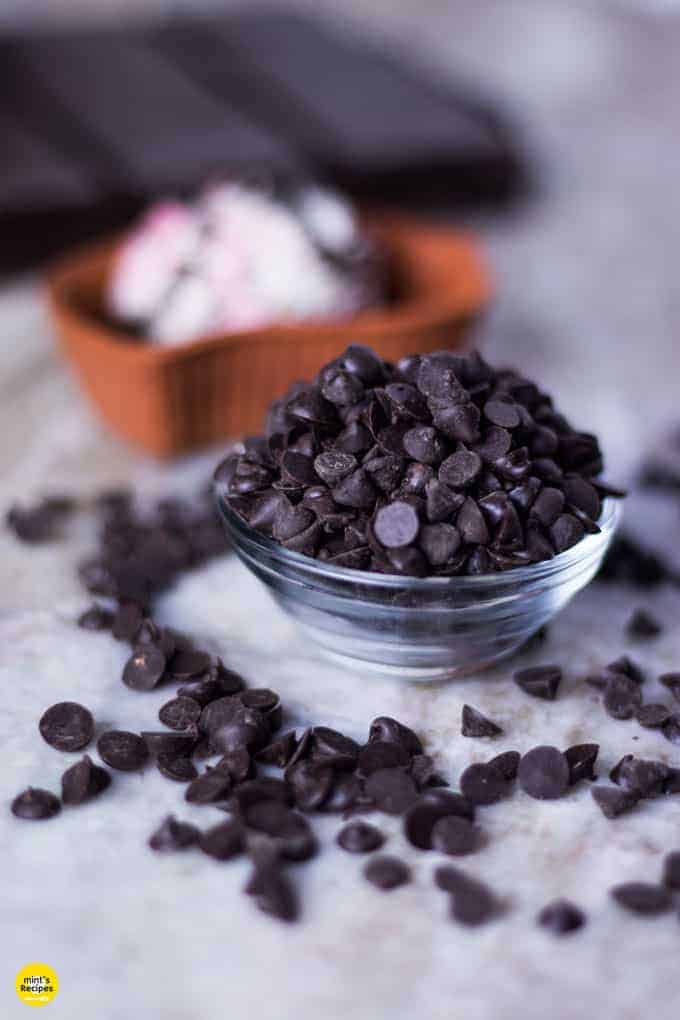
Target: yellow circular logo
(37, 984)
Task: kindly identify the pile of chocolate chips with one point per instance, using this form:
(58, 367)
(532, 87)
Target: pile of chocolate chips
(438, 465)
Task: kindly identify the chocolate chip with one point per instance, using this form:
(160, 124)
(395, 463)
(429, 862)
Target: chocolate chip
(507, 764)
(144, 669)
(266, 788)
(460, 469)
(496, 443)
(333, 465)
(180, 713)
(613, 802)
(238, 764)
(671, 729)
(96, 618)
(639, 776)
(653, 715)
(67, 726)
(396, 525)
(671, 871)
(223, 841)
(392, 789)
(355, 490)
(279, 752)
(83, 781)
(472, 902)
(566, 532)
(334, 746)
(381, 754)
(454, 836)
(439, 542)
(35, 804)
(181, 770)
(622, 696)
(441, 501)
(544, 773)
(484, 783)
(581, 760)
(360, 838)
(422, 816)
(561, 917)
(471, 524)
(539, 681)
(643, 898)
(311, 782)
(127, 621)
(122, 750)
(642, 626)
(179, 744)
(624, 664)
(672, 682)
(174, 835)
(294, 839)
(502, 412)
(387, 873)
(474, 724)
(187, 663)
(389, 730)
(273, 892)
(210, 787)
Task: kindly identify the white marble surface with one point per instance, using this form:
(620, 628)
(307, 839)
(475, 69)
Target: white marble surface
(588, 301)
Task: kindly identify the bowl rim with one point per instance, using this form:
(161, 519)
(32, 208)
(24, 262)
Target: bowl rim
(609, 520)
(416, 312)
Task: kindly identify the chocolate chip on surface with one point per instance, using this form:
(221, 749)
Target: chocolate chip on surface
(67, 726)
(544, 773)
(360, 838)
(539, 681)
(561, 917)
(643, 898)
(474, 724)
(387, 872)
(35, 804)
(174, 835)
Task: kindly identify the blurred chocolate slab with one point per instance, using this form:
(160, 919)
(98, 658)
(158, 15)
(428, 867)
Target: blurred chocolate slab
(362, 117)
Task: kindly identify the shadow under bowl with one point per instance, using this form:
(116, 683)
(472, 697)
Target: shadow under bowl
(419, 628)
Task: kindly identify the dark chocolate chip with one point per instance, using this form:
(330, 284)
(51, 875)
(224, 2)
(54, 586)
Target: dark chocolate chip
(642, 626)
(360, 838)
(671, 729)
(396, 525)
(672, 682)
(474, 724)
(547, 506)
(484, 783)
(174, 835)
(539, 681)
(566, 532)
(507, 764)
(671, 871)
(122, 750)
(439, 542)
(432, 805)
(387, 873)
(35, 804)
(441, 501)
(127, 621)
(613, 802)
(544, 773)
(392, 789)
(181, 770)
(144, 669)
(294, 839)
(311, 782)
(273, 892)
(355, 490)
(561, 917)
(381, 754)
(643, 898)
(640, 776)
(653, 715)
(83, 781)
(622, 696)
(388, 730)
(471, 524)
(502, 412)
(96, 618)
(180, 713)
(279, 752)
(460, 469)
(454, 836)
(210, 787)
(581, 760)
(187, 663)
(178, 744)
(267, 788)
(333, 465)
(472, 902)
(67, 726)
(223, 841)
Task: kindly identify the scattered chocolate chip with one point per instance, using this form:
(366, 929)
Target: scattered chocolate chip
(561, 917)
(640, 776)
(613, 802)
(187, 663)
(544, 773)
(581, 760)
(387, 873)
(454, 836)
(122, 750)
(279, 752)
(67, 726)
(180, 713)
(256, 790)
(223, 841)
(360, 838)
(392, 789)
(293, 836)
(671, 871)
(381, 754)
(622, 696)
(474, 724)
(642, 898)
(389, 730)
(96, 618)
(35, 804)
(273, 892)
(311, 782)
(507, 764)
(210, 787)
(396, 525)
(642, 626)
(421, 817)
(672, 682)
(484, 783)
(471, 902)
(127, 621)
(174, 835)
(144, 669)
(653, 715)
(178, 744)
(181, 770)
(539, 681)
(671, 729)
(83, 781)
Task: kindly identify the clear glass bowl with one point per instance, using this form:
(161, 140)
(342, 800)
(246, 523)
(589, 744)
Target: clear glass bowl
(419, 628)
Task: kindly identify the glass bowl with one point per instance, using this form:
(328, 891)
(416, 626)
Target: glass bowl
(419, 628)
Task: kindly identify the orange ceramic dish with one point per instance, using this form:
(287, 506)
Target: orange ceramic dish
(169, 400)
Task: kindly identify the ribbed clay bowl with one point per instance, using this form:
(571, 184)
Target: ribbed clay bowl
(170, 400)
